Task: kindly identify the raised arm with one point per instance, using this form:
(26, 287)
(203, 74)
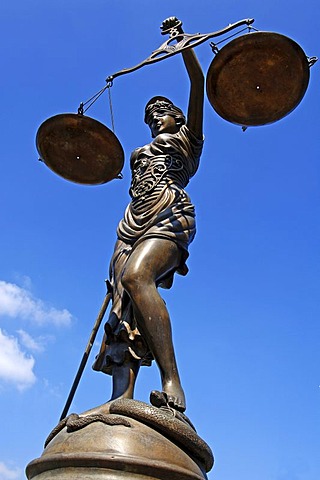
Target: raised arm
(196, 98)
(195, 107)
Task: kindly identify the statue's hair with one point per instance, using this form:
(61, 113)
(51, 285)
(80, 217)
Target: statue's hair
(164, 104)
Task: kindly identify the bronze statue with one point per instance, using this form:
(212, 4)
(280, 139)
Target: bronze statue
(153, 239)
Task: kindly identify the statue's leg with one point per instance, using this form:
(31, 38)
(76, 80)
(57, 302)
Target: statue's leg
(148, 263)
(124, 372)
(124, 379)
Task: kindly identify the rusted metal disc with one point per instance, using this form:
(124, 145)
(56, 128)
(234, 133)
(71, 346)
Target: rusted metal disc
(80, 149)
(257, 78)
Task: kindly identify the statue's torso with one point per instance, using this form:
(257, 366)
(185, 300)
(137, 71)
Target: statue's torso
(167, 162)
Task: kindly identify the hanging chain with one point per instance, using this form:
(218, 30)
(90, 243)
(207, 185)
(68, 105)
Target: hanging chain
(214, 46)
(110, 106)
(94, 98)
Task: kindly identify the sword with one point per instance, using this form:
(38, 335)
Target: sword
(86, 354)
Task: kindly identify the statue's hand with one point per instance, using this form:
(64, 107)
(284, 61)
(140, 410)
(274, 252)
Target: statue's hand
(171, 25)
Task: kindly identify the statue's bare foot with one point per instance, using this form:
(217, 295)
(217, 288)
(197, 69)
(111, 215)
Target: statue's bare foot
(175, 395)
(177, 401)
(172, 397)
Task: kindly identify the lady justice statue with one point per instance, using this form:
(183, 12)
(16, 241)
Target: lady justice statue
(159, 223)
(152, 244)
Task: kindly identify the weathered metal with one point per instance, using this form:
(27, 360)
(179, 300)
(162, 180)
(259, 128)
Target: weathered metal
(80, 149)
(178, 42)
(124, 439)
(257, 78)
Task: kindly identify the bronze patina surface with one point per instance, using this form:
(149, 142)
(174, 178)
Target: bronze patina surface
(257, 78)
(254, 80)
(152, 243)
(80, 149)
(124, 439)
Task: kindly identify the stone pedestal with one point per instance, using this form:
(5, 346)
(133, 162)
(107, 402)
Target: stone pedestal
(112, 446)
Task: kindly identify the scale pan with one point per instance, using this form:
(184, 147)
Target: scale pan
(257, 78)
(80, 149)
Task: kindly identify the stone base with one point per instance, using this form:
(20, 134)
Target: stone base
(113, 447)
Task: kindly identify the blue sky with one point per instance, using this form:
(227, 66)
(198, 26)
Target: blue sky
(246, 317)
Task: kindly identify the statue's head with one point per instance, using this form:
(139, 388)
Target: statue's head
(163, 116)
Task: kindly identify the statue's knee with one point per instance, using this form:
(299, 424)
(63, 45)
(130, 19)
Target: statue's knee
(134, 280)
(129, 280)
